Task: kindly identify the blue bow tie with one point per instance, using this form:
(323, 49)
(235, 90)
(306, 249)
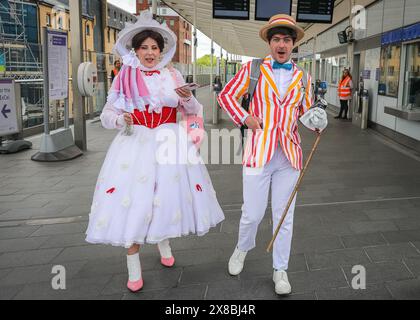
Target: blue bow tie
(286, 66)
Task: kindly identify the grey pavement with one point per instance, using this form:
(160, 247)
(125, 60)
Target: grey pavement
(359, 205)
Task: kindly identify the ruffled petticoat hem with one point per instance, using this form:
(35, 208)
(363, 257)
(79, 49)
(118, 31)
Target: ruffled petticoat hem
(130, 243)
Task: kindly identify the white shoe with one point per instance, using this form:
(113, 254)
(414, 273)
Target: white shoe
(281, 281)
(236, 262)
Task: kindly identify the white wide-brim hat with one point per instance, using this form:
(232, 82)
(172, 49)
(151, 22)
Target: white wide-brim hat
(124, 48)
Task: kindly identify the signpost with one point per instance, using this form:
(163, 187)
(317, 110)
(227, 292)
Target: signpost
(10, 117)
(58, 70)
(8, 113)
(58, 145)
(320, 11)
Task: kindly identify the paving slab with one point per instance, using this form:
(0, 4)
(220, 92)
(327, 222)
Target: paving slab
(358, 205)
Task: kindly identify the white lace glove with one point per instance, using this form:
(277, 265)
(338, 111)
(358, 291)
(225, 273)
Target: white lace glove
(315, 119)
(120, 121)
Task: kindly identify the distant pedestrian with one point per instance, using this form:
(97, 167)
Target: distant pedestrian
(345, 91)
(116, 70)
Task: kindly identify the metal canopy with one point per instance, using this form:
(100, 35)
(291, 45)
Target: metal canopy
(239, 37)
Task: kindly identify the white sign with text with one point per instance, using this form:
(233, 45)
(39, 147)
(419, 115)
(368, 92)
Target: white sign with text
(8, 115)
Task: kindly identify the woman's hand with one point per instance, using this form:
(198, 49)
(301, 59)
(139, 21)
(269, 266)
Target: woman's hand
(128, 119)
(184, 93)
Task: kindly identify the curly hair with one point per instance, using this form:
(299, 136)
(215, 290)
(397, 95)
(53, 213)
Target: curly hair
(142, 36)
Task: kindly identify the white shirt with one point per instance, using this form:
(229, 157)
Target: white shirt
(283, 79)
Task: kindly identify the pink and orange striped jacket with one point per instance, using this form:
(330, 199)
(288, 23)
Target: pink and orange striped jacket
(279, 116)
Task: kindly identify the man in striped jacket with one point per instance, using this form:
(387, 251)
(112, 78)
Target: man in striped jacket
(272, 153)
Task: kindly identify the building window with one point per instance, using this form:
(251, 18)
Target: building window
(412, 77)
(87, 29)
(164, 11)
(333, 70)
(172, 23)
(60, 23)
(48, 19)
(389, 70)
(109, 35)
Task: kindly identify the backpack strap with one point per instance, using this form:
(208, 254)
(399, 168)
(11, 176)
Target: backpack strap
(255, 74)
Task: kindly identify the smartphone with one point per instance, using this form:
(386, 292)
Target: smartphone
(189, 87)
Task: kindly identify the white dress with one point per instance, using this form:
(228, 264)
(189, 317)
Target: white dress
(143, 193)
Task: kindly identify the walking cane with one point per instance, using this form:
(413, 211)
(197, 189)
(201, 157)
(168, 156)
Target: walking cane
(318, 139)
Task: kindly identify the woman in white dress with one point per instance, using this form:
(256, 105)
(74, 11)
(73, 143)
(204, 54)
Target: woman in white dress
(149, 189)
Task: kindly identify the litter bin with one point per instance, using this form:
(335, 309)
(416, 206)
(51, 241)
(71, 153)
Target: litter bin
(217, 84)
(217, 88)
(190, 79)
(364, 104)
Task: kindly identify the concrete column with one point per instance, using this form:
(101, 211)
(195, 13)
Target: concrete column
(350, 58)
(313, 71)
(211, 56)
(154, 8)
(195, 43)
(350, 46)
(76, 58)
(212, 92)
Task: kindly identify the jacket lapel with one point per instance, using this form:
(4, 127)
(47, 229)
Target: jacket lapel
(267, 72)
(297, 77)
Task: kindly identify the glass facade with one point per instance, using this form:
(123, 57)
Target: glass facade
(389, 65)
(412, 77)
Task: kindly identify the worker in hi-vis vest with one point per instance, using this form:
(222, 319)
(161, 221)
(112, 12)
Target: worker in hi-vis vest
(345, 91)
(116, 70)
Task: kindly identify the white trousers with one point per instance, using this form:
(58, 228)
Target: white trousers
(282, 177)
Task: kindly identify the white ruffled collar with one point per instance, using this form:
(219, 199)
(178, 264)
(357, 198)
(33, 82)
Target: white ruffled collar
(133, 61)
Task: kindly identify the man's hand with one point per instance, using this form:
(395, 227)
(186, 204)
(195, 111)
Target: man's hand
(315, 119)
(253, 123)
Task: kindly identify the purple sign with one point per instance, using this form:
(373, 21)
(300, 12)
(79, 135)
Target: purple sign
(366, 74)
(59, 41)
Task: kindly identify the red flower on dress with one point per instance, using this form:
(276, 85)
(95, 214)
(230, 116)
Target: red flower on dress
(110, 191)
(199, 188)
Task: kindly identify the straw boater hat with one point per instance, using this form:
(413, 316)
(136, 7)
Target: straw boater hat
(282, 20)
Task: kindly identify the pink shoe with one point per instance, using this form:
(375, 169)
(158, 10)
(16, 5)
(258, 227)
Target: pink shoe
(135, 286)
(169, 263)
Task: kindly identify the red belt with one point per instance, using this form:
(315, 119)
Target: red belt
(154, 120)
